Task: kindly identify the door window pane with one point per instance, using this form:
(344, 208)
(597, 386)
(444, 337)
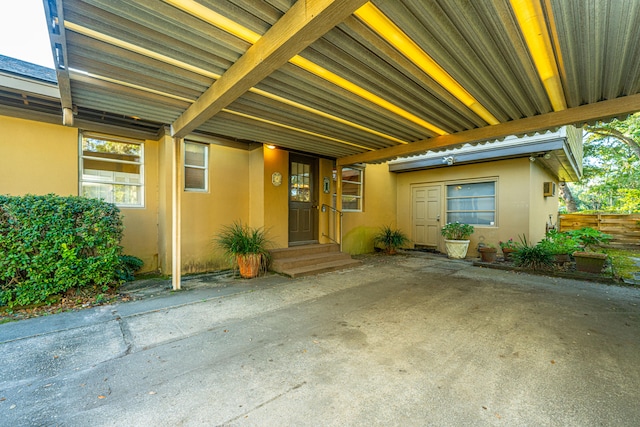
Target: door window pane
(300, 189)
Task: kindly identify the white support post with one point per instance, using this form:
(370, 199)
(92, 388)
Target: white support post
(176, 209)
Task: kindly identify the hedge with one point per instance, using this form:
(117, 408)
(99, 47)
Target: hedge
(50, 244)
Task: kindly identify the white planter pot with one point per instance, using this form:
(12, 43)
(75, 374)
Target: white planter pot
(456, 249)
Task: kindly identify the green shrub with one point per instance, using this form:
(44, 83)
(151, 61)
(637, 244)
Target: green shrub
(536, 257)
(129, 265)
(49, 244)
(390, 239)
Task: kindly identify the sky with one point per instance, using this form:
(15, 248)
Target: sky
(23, 33)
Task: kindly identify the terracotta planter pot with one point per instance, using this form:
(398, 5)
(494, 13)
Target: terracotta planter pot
(589, 262)
(456, 249)
(488, 254)
(249, 265)
(507, 253)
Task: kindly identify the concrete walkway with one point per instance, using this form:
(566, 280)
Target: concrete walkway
(413, 339)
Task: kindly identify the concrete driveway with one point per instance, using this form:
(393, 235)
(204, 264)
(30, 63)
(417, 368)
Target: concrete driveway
(407, 340)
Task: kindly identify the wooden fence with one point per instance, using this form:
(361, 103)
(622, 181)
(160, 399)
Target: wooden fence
(625, 229)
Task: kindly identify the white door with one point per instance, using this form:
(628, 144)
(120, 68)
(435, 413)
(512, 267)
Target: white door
(425, 202)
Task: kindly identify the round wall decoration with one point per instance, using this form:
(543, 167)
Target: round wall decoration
(276, 178)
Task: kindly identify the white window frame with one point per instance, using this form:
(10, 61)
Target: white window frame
(110, 138)
(493, 181)
(360, 195)
(205, 167)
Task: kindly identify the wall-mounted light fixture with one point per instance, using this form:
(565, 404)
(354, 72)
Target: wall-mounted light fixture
(449, 160)
(271, 146)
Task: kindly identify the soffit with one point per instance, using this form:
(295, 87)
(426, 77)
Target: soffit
(150, 61)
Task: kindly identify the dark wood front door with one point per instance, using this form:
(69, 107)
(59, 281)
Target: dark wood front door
(303, 200)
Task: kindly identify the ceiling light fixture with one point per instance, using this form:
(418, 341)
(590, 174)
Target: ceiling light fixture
(533, 25)
(389, 31)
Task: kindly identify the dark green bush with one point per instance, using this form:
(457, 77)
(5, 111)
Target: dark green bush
(536, 257)
(49, 244)
(129, 264)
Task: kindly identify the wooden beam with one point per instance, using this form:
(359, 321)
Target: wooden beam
(58, 43)
(304, 22)
(572, 116)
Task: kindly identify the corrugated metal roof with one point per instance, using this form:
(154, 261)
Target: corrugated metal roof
(151, 60)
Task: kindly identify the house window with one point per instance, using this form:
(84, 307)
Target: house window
(112, 169)
(196, 166)
(472, 203)
(352, 190)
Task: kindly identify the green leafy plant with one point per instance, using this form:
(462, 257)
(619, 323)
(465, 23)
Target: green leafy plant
(238, 241)
(129, 265)
(509, 244)
(391, 239)
(533, 257)
(50, 244)
(457, 231)
(589, 237)
(558, 243)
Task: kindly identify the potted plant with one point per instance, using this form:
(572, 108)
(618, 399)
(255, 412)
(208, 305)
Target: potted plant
(456, 239)
(488, 252)
(246, 248)
(560, 245)
(587, 260)
(508, 248)
(390, 239)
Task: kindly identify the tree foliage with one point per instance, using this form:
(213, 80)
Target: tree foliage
(611, 179)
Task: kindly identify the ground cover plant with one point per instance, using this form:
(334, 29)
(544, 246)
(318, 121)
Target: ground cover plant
(51, 244)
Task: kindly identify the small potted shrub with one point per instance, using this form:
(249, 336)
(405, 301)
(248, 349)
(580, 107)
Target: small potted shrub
(390, 239)
(508, 248)
(590, 238)
(456, 239)
(246, 247)
(560, 245)
(488, 252)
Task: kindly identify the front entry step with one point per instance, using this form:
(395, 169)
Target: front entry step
(306, 260)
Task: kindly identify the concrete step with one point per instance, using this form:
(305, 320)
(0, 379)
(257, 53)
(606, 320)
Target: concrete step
(326, 267)
(303, 250)
(307, 260)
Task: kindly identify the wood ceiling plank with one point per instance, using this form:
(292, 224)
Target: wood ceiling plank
(577, 115)
(304, 23)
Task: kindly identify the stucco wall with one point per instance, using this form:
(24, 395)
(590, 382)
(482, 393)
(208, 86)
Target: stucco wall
(515, 205)
(541, 207)
(275, 203)
(379, 209)
(141, 224)
(204, 214)
(37, 158)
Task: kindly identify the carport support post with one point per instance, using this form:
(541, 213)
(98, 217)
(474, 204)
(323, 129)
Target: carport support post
(176, 209)
(339, 204)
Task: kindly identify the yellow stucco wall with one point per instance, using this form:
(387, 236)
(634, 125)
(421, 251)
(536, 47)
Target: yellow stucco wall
(275, 203)
(379, 209)
(518, 210)
(205, 214)
(140, 236)
(37, 158)
(541, 206)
